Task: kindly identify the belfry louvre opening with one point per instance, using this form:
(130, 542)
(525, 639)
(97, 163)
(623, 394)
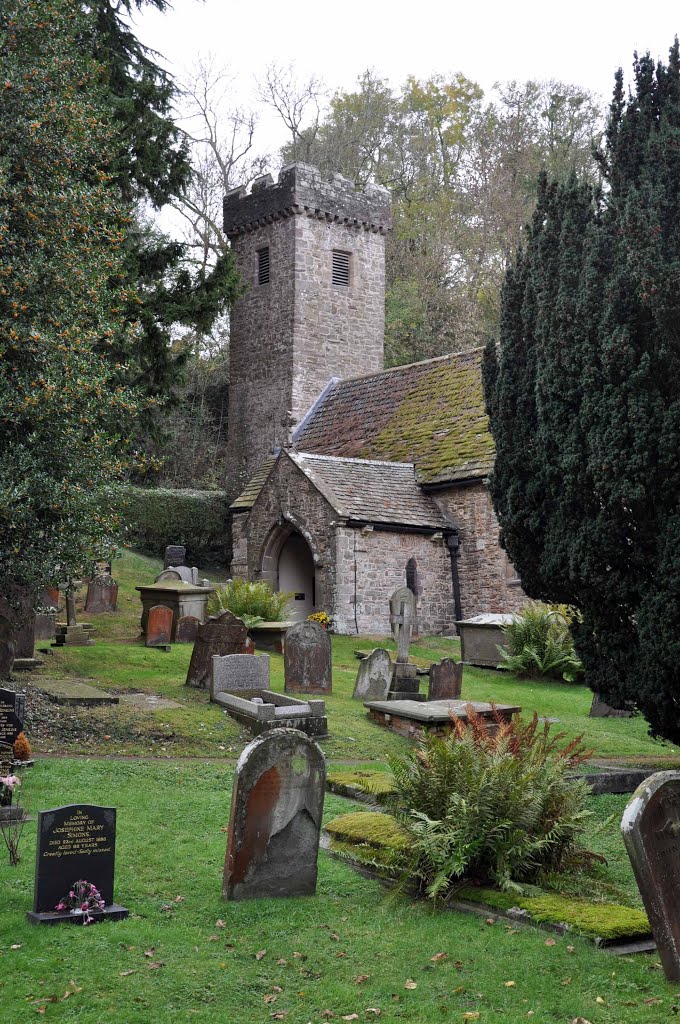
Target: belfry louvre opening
(263, 266)
(341, 268)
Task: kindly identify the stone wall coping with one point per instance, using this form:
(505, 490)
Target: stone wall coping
(435, 710)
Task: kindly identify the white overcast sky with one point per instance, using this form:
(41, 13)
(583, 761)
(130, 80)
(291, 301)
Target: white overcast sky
(579, 41)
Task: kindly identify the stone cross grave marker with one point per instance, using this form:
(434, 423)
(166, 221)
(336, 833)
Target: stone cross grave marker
(402, 617)
(175, 554)
(651, 832)
(159, 626)
(307, 659)
(374, 676)
(239, 673)
(71, 604)
(275, 821)
(219, 634)
(75, 843)
(446, 680)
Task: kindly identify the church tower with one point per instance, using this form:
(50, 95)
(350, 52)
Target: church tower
(311, 254)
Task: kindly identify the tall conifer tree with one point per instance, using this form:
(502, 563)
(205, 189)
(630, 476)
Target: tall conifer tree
(584, 402)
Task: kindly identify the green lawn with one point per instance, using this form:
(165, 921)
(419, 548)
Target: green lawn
(120, 662)
(350, 949)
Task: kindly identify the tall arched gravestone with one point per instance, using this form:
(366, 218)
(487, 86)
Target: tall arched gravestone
(219, 634)
(275, 821)
(651, 832)
(307, 659)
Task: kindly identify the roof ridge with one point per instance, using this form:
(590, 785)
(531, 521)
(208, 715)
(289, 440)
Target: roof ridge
(347, 458)
(409, 366)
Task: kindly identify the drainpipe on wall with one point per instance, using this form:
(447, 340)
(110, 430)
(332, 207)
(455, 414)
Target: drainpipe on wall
(453, 544)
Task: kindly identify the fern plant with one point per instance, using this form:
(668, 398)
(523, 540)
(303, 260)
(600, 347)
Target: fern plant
(539, 643)
(252, 602)
(489, 805)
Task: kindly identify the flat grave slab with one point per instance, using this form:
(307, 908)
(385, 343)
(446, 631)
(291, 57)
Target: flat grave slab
(412, 718)
(74, 691)
(150, 701)
(265, 710)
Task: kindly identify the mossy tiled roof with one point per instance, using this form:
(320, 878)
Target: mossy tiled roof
(246, 499)
(430, 413)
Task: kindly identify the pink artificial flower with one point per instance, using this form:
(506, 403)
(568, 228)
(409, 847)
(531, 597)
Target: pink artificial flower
(84, 906)
(72, 894)
(61, 906)
(10, 781)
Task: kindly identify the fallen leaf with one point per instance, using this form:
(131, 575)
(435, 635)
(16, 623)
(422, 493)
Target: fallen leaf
(550, 942)
(339, 956)
(150, 952)
(17, 945)
(437, 957)
(155, 965)
(178, 899)
(270, 998)
(361, 978)
(279, 1015)
(374, 1010)
(571, 949)
(74, 988)
(471, 1015)
(351, 1016)
(335, 937)
(282, 962)
(530, 1013)
(461, 988)
(260, 954)
(327, 1014)
(167, 906)
(654, 1001)
(224, 828)
(567, 981)
(124, 974)
(510, 984)
(409, 983)
(489, 920)
(219, 923)
(580, 1020)
(40, 1009)
(599, 999)
(213, 938)
(277, 988)
(299, 956)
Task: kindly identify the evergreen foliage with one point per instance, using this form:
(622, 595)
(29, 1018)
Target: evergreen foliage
(151, 168)
(584, 402)
(157, 516)
(65, 412)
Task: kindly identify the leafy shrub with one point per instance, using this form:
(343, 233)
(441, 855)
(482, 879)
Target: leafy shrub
(489, 806)
(252, 602)
(539, 643)
(158, 516)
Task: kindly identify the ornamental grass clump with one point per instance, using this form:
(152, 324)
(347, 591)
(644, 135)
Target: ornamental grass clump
(252, 602)
(539, 643)
(489, 805)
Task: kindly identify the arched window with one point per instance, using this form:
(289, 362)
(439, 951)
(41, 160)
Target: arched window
(412, 581)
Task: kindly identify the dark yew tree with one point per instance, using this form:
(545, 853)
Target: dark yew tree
(151, 168)
(584, 402)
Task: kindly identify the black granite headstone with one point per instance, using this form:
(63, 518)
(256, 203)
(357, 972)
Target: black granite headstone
(10, 724)
(15, 702)
(75, 843)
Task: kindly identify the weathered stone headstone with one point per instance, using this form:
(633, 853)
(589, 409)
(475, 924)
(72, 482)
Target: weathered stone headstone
(307, 659)
(46, 616)
(175, 554)
(159, 626)
(446, 680)
(600, 709)
(219, 634)
(651, 832)
(374, 676)
(75, 843)
(179, 572)
(187, 629)
(8, 647)
(239, 673)
(102, 595)
(275, 821)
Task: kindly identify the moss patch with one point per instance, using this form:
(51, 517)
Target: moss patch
(370, 828)
(373, 783)
(596, 920)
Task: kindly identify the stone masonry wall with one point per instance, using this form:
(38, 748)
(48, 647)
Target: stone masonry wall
(291, 336)
(488, 582)
(290, 502)
(377, 561)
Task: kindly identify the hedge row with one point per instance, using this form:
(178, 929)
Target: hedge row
(156, 517)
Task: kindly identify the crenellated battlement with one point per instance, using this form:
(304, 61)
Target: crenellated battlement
(300, 190)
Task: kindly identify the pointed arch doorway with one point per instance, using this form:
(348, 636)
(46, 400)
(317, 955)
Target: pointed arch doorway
(296, 573)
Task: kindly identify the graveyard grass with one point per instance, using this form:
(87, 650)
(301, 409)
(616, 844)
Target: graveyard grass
(353, 948)
(184, 954)
(121, 664)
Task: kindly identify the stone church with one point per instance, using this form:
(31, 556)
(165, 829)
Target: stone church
(349, 480)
